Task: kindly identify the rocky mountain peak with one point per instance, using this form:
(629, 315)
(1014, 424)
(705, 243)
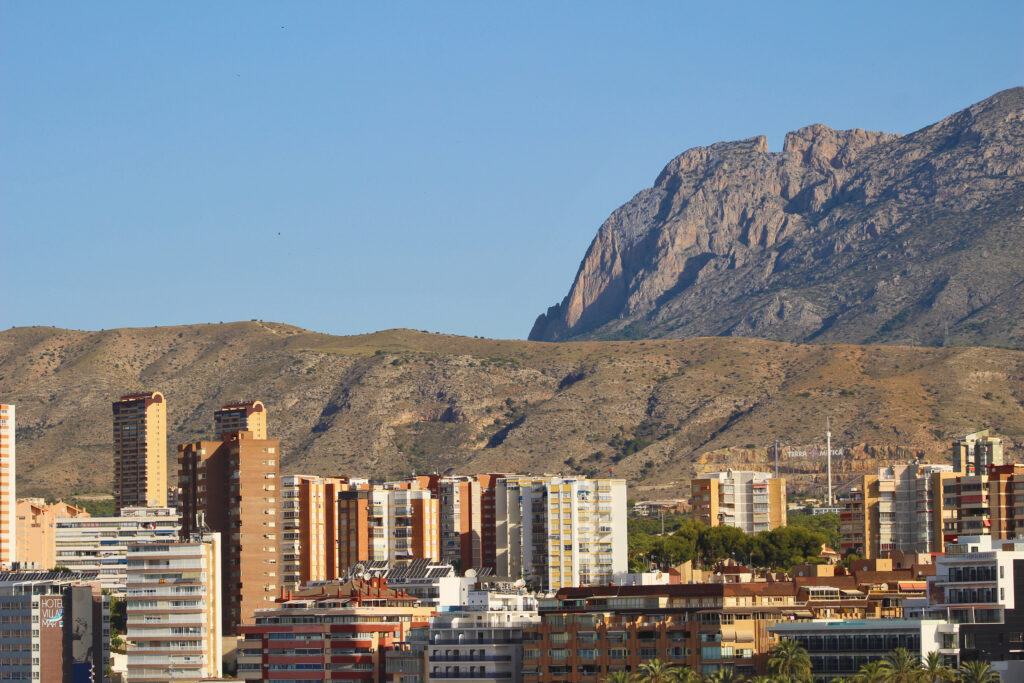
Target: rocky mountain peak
(846, 235)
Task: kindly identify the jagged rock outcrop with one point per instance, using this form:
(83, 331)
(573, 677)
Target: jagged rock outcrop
(853, 236)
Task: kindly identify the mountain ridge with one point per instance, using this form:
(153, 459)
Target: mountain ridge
(845, 236)
(389, 403)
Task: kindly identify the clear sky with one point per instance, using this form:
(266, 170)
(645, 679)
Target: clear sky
(349, 167)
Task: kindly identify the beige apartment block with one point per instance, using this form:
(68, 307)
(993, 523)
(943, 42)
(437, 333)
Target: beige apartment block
(974, 452)
(244, 416)
(231, 487)
(8, 502)
(751, 501)
(899, 508)
(174, 610)
(37, 531)
(140, 450)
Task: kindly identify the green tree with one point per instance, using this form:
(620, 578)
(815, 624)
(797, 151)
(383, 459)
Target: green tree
(872, 672)
(724, 676)
(657, 671)
(788, 659)
(720, 542)
(685, 674)
(977, 672)
(902, 667)
(935, 670)
(619, 677)
(827, 525)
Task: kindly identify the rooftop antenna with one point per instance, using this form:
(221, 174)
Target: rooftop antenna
(828, 449)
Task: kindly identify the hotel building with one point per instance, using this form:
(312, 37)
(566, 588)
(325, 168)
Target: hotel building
(174, 610)
(99, 544)
(231, 487)
(140, 450)
(555, 531)
(56, 627)
(37, 531)
(751, 501)
(8, 502)
(245, 416)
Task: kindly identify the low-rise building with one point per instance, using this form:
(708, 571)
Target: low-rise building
(587, 633)
(55, 627)
(174, 610)
(99, 544)
(336, 631)
(481, 643)
(37, 531)
(839, 648)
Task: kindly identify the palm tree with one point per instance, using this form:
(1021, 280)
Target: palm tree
(935, 669)
(723, 676)
(619, 677)
(902, 667)
(684, 674)
(656, 671)
(788, 660)
(872, 672)
(977, 672)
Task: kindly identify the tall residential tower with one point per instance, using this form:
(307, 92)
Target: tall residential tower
(140, 450)
(245, 416)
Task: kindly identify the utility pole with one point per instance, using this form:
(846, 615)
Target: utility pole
(828, 447)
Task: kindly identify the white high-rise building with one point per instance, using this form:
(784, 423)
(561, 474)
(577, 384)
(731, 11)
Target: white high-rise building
(8, 501)
(560, 531)
(174, 610)
(99, 544)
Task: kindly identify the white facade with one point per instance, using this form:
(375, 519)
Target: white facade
(8, 501)
(556, 532)
(99, 544)
(478, 645)
(174, 610)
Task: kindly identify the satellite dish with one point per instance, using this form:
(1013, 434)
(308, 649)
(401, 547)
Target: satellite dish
(470, 573)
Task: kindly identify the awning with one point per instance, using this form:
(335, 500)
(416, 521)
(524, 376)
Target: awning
(913, 585)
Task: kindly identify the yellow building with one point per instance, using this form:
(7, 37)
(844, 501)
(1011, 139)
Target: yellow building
(751, 501)
(8, 523)
(246, 416)
(37, 531)
(140, 450)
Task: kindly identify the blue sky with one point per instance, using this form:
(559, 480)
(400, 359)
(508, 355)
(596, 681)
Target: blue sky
(352, 167)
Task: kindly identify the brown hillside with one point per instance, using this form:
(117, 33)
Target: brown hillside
(388, 403)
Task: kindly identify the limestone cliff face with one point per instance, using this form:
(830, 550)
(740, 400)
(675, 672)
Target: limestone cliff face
(843, 236)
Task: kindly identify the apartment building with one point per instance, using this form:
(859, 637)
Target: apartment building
(37, 531)
(100, 544)
(338, 631)
(140, 450)
(751, 501)
(481, 644)
(309, 527)
(560, 531)
(899, 508)
(244, 416)
(394, 522)
(839, 648)
(587, 633)
(8, 502)
(174, 610)
(466, 518)
(973, 453)
(55, 628)
(231, 487)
